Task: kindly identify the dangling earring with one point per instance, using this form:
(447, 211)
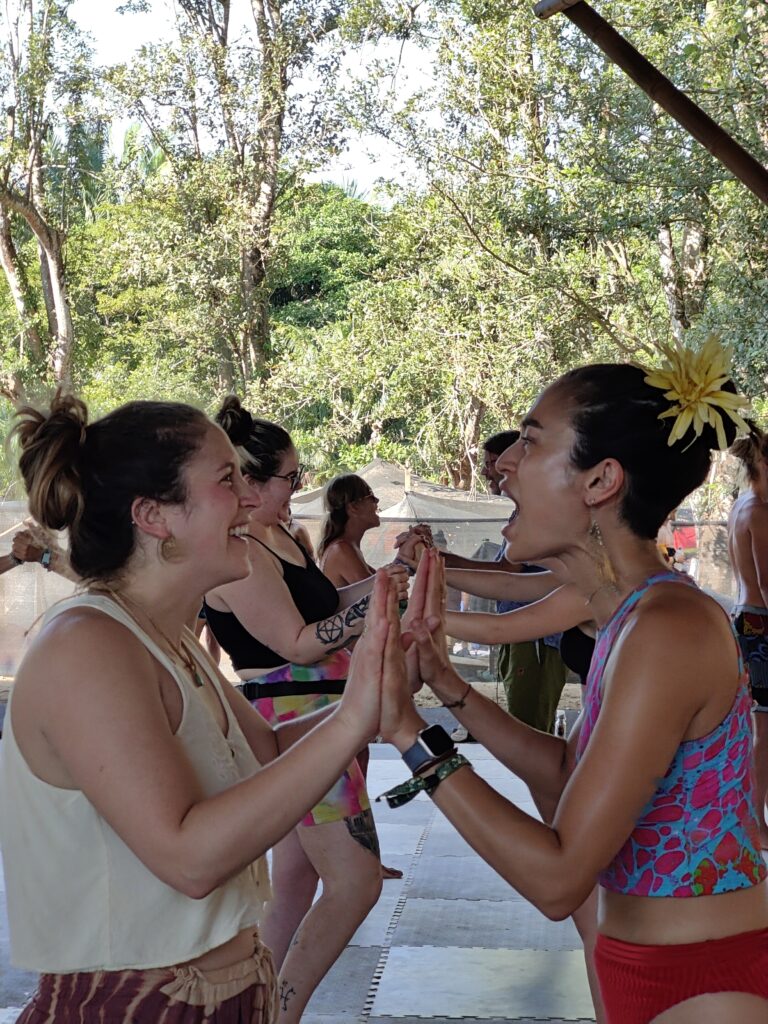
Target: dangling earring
(604, 564)
(167, 548)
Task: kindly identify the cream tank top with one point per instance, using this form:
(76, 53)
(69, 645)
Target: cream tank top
(78, 898)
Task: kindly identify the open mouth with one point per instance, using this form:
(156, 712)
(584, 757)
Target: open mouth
(239, 531)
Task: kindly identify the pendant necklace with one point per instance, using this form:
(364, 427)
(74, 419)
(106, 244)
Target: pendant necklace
(183, 656)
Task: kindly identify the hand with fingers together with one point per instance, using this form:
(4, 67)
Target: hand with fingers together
(424, 632)
(400, 721)
(361, 704)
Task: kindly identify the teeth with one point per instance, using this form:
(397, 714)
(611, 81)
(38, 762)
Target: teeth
(238, 531)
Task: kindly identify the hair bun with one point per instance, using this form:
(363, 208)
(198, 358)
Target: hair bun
(235, 421)
(51, 458)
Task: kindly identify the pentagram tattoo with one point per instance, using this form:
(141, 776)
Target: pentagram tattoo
(330, 631)
(285, 993)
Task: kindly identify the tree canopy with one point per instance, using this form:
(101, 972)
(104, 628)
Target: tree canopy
(553, 215)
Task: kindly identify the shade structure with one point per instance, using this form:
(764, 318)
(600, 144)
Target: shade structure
(460, 522)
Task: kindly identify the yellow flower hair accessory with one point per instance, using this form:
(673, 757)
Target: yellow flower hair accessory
(692, 380)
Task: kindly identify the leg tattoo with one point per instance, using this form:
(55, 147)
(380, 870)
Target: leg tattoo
(362, 828)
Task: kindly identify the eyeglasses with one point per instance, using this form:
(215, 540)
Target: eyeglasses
(295, 479)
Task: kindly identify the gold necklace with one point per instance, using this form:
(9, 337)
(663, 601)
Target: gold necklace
(184, 657)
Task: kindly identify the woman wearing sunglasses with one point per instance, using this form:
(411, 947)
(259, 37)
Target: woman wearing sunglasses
(286, 628)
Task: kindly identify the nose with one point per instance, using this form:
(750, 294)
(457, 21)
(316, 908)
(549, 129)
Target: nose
(248, 495)
(506, 464)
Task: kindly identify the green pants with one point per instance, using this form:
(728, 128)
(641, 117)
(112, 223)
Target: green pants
(533, 676)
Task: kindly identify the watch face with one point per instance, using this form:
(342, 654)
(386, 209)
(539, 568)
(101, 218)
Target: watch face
(437, 740)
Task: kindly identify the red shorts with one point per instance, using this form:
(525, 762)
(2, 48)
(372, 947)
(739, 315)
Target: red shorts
(640, 982)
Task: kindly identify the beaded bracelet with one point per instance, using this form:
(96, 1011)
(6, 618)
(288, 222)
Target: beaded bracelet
(406, 791)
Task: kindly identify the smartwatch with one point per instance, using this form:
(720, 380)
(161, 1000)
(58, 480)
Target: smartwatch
(432, 744)
(45, 558)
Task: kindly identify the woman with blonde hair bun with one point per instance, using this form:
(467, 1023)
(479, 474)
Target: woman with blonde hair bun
(139, 791)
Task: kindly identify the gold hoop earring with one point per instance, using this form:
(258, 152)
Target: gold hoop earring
(167, 549)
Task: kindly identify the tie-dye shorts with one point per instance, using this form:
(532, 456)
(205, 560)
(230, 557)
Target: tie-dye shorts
(244, 993)
(348, 797)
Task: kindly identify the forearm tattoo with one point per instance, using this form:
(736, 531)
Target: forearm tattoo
(330, 632)
(362, 828)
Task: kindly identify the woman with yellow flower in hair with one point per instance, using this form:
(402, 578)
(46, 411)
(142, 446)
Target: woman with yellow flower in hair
(651, 796)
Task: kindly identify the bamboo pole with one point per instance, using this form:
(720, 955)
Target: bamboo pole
(661, 90)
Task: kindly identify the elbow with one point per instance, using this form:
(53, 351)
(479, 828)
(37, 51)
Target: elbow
(563, 898)
(192, 883)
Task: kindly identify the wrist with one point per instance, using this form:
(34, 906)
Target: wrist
(407, 733)
(448, 686)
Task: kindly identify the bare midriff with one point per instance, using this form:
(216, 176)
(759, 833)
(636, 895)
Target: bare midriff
(237, 949)
(667, 921)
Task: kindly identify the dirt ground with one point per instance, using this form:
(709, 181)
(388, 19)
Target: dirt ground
(571, 696)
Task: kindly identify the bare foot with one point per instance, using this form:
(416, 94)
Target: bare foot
(387, 873)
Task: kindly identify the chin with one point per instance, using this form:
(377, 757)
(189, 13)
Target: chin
(526, 549)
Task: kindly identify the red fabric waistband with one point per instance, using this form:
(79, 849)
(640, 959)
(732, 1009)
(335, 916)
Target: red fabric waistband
(651, 956)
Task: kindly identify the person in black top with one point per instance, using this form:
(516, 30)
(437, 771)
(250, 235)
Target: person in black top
(286, 628)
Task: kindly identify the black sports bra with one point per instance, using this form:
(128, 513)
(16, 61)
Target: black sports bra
(576, 649)
(315, 597)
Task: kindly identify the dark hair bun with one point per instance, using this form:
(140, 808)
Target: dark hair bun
(51, 451)
(236, 422)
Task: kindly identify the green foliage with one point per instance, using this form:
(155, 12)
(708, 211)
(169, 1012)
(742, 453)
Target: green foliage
(555, 217)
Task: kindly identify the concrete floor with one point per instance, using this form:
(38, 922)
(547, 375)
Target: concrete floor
(449, 941)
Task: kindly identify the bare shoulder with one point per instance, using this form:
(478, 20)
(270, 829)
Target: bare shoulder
(679, 610)
(677, 633)
(84, 654)
(755, 514)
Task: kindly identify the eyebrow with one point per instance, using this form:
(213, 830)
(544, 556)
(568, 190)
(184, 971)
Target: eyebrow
(529, 421)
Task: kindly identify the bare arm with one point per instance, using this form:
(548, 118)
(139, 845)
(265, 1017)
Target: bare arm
(558, 611)
(503, 585)
(662, 685)
(109, 736)
(343, 565)
(7, 562)
(758, 529)
(264, 606)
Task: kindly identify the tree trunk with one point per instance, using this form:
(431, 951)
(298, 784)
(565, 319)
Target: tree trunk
(18, 287)
(672, 282)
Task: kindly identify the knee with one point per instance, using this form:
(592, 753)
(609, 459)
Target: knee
(294, 877)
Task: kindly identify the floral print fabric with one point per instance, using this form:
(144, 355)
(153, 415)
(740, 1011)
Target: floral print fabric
(698, 835)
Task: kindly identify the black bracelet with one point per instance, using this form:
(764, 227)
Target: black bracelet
(462, 699)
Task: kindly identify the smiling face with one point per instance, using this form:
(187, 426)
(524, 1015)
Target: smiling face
(209, 524)
(275, 493)
(365, 511)
(552, 514)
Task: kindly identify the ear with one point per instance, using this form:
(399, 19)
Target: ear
(603, 482)
(149, 517)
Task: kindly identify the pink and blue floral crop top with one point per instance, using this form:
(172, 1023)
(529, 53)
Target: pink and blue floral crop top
(698, 835)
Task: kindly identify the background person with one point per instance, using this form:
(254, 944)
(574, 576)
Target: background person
(352, 510)
(748, 550)
(139, 791)
(286, 629)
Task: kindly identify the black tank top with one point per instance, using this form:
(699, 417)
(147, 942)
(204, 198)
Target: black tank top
(576, 651)
(315, 597)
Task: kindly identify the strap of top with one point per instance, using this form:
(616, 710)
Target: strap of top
(616, 621)
(110, 607)
(284, 561)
